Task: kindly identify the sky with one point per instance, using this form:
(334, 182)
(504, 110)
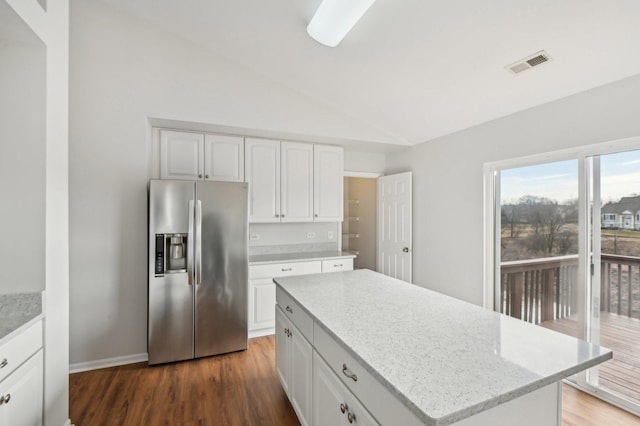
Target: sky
(559, 181)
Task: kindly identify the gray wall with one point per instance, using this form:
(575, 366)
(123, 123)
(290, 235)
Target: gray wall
(448, 176)
(22, 165)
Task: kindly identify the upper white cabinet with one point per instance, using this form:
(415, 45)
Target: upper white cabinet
(181, 155)
(328, 167)
(280, 176)
(293, 182)
(296, 184)
(194, 156)
(224, 158)
(262, 169)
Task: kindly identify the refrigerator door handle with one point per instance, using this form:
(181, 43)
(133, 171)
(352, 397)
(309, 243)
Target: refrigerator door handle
(198, 260)
(190, 239)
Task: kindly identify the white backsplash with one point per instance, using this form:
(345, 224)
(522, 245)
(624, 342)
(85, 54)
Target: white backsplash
(271, 238)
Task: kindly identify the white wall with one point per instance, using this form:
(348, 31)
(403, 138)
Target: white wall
(52, 27)
(448, 176)
(358, 161)
(124, 71)
(22, 164)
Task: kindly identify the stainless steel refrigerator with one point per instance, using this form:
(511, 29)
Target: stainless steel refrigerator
(197, 269)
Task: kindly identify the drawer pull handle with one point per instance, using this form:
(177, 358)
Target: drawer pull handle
(343, 407)
(348, 373)
(286, 269)
(288, 309)
(338, 266)
(5, 399)
(351, 417)
(4, 363)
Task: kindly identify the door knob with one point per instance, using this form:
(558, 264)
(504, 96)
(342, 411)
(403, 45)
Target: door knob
(406, 249)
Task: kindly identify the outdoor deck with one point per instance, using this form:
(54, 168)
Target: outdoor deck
(622, 335)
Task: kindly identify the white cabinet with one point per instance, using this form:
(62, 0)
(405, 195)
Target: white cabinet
(294, 355)
(280, 176)
(328, 183)
(194, 156)
(333, 403)
(21, 378)
(181, 155)
(262, 169)
(296, 185)
(21, 394)
(335, 265)
(224, 158)
(262, 290)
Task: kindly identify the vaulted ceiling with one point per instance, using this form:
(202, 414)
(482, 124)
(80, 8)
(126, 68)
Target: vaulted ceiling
(418, 69)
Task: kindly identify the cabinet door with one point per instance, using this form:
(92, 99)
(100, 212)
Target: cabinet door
(224, 158)
(296, 185)
(331, 397)
(262, 302)
(24, 388)
(301, 373)
(282, 349)
(181, 155)
(262, 171)
(328, 183)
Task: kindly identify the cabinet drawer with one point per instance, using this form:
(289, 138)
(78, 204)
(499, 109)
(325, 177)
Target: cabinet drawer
(274, 270)
(382, 404)
(337, 265)
(19, 349)
(295, 313)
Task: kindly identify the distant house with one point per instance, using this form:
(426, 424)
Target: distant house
(625, 214)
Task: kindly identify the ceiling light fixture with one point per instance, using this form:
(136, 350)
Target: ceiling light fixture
(335, 18)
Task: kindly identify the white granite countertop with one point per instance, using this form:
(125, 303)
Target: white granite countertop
(263, 259)
(443, 358)
(17, 312)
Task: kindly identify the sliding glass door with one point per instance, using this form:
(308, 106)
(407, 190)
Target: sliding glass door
(567, 257)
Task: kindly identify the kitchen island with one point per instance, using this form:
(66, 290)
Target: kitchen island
(402, 354)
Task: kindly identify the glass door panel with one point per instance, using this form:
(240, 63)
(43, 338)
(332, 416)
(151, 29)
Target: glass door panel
(539, 245)
(615, 284)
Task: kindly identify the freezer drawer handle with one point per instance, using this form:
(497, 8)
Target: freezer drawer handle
(348, 373)
(288, 309)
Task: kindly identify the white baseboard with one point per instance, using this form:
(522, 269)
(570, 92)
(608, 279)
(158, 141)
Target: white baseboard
(107, 362)
(68, 423)
(263, 332)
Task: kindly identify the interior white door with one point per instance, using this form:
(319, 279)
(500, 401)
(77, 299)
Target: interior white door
(395, 226)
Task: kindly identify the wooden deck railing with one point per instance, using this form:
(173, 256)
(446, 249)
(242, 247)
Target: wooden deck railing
(545, 289)
(539, 290)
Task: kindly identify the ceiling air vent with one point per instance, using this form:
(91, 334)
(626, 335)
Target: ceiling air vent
(529, 62)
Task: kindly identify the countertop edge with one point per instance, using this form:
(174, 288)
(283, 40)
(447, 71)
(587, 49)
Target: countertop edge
(468, 411)
(301, 259)
(22, 328)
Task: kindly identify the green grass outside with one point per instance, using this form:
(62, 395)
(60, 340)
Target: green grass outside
(620, 233)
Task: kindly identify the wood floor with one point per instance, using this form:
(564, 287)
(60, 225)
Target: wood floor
(622, 335)
(235, 389)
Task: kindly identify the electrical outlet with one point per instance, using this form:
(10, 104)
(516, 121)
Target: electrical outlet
(330, 235)
(254, 237)
(311, 234)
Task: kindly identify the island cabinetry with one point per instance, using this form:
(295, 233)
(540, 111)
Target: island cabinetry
(294, 355)
(21, 378)
(199, 156)
(384, 406)
(262, 290)
(333, 403)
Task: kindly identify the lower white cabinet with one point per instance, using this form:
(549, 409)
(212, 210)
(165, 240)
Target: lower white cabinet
(262, 290)
(21, 378)
(294, 355)
(333, 403)
(21, 394)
